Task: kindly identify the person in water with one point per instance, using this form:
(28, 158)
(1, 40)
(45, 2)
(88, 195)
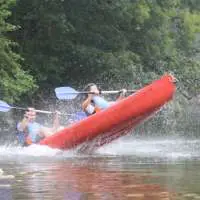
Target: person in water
(94, 102)
(29, 131)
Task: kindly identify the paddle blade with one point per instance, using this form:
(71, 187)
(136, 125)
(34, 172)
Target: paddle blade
(66, 93)
(4, 107)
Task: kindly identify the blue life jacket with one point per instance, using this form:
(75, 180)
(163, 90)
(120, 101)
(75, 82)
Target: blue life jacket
(34, 131)
(21, 138)
(32, 134)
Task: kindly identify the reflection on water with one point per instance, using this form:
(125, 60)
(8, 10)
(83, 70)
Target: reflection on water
(131, 173)
(98, 178)
(65, 180)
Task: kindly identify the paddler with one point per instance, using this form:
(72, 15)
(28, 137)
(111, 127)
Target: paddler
(94, 102)
(29, 131)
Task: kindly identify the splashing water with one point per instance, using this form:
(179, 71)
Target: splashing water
(174, 148)
(33, 151)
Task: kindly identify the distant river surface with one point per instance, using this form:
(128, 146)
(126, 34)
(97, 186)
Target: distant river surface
(138, 169)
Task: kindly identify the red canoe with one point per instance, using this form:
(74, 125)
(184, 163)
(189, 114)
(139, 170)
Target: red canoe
(117, 120)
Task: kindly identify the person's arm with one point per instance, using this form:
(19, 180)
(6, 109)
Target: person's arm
(87, 106)
(23, 124)
(46, 131)
(87, 101)
(56, 121)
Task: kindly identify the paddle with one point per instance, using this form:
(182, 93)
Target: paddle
(4, 107)
(71, 93)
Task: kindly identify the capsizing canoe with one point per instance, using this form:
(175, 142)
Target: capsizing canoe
(117, 120)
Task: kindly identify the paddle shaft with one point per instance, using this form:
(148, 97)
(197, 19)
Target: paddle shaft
(41, 111)
(4, 107)
(116, 91)
(101, 92)
(38, 111)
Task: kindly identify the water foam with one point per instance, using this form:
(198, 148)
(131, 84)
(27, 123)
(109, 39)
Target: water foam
(164, 148)
(15, 152)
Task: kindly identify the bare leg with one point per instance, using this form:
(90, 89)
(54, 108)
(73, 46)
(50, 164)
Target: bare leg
(45, 132)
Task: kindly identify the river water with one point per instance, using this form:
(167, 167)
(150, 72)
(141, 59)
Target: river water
(129, 168)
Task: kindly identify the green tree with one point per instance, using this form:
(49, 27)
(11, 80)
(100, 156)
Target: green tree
(73, 42)
(14, 81)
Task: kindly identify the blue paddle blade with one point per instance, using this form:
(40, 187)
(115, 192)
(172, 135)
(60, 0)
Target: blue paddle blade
(4, 107)
(66, 93)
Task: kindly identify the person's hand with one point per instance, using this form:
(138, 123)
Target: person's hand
(30, 109)
(57, 113)
(123, 92)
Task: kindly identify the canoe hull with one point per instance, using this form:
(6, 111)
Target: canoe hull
(117, 120)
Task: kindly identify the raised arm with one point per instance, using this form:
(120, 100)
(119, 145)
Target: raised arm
(87, 101)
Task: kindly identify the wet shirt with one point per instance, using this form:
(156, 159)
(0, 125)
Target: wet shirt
(100, 102)
(33, 133)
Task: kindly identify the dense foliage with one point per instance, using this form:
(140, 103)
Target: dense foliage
(14, 80)
(66, 42)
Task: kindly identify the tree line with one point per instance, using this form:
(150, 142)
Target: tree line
(48, 43)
